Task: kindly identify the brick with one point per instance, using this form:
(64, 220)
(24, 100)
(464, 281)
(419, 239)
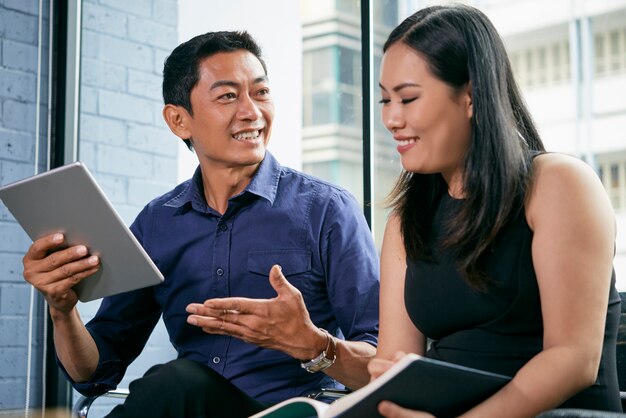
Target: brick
(12, 393)
(17, 85)
(137, 7)
(152, 140)
(120, 161)
(121, 51)
(12, 362)
(128, 213)
(165, 11)
(160, 55)
(5, 215)
(19, 27)
(19, 56)
(104, 19)
(141, 192)
(14, 300)
(19, 116)
(114, 187)
(27, 6)
(11, 268)
(152, 33)
(88, 100)
(165, 169)
(103, 75)
(14, 239)
(125, 107)
(145, 84)
(90, 44)
(12, 171)
(14, 332)
(16, 146)
(87, 154)
(103, 130)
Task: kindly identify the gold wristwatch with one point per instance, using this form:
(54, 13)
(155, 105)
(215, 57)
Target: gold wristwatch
(326, 357)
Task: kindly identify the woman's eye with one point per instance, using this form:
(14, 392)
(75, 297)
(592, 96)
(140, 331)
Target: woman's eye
(407, 101)
(384, 101)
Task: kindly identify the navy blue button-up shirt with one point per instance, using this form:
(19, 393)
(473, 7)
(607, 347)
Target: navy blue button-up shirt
(314, 230)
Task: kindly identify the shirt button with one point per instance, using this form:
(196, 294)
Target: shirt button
(216, 360)
(223, 227)
(220, 272)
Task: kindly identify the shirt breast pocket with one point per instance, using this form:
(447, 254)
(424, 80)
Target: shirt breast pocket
(296, 265)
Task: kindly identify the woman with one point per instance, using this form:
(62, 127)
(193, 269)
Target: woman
(498, 252)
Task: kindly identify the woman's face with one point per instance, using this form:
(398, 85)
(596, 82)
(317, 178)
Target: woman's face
(430, 121)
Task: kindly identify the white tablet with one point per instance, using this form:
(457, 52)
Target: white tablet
(68, 200)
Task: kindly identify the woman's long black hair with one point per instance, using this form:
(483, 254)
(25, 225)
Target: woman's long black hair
(461, 46)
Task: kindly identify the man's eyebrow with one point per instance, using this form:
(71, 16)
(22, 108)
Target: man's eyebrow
(401, 86)
(220, 83)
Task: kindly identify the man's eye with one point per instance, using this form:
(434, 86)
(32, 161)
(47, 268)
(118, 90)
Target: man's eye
(228, 96)
(264, 92)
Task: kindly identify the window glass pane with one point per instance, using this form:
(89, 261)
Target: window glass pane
(332, 117)
(348, 6)
(322, 109)
(24, 152)
(349, 67)
(385, 158)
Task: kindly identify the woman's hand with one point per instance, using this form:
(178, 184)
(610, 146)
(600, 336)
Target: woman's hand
(378, 366)
(391, 410)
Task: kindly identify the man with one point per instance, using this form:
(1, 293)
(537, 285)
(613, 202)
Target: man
(264, 266)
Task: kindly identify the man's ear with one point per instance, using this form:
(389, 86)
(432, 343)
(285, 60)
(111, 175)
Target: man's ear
(177, 118)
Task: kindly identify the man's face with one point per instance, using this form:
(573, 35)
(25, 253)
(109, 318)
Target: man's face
(232, 110)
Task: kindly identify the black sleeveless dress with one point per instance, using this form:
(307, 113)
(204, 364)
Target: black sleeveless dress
(501, 329)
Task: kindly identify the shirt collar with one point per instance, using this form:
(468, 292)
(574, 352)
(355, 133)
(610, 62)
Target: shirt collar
(263, 184)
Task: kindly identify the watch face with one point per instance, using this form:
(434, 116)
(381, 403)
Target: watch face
(318, 364)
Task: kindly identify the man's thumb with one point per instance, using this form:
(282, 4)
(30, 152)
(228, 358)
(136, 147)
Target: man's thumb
(278, 280)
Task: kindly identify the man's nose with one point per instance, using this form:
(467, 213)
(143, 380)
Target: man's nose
(248, 108)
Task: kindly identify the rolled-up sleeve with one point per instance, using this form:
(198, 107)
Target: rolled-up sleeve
(120, 329)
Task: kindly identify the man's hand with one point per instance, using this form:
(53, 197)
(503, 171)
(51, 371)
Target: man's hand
(282, 323)
(54, 271)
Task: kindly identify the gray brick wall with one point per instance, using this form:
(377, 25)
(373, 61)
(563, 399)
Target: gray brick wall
(18, 84)
(123, 141)
(123, 138)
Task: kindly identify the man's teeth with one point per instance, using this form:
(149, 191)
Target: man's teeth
(406, 142)
(242, 136)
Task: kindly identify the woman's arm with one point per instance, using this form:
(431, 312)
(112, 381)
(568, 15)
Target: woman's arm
(396, 332)
(572, 249)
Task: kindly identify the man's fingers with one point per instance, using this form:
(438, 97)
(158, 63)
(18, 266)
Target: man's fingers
(216, 325)
(39, 249)
(219, 307)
